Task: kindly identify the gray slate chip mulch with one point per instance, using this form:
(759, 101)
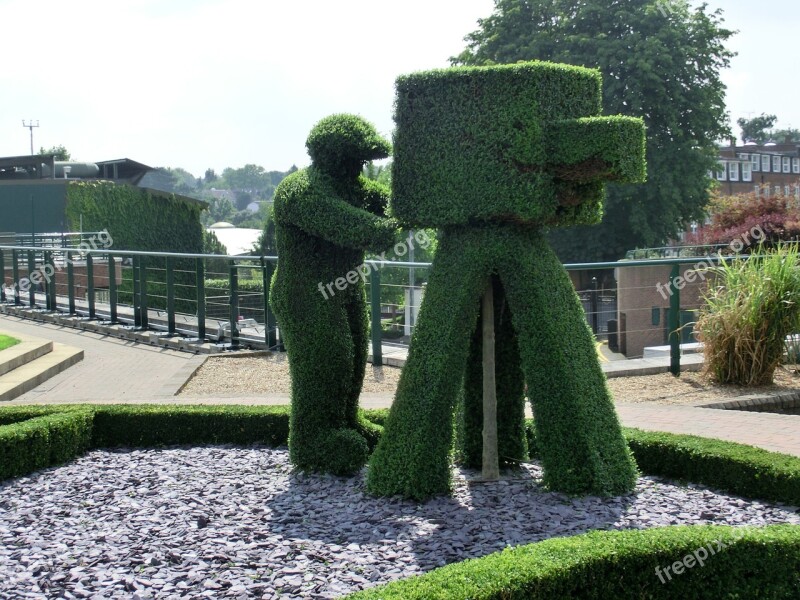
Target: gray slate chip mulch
(223, 522)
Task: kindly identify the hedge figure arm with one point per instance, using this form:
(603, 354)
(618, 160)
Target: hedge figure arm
(597, 149)
(376, 196)
(323, 215)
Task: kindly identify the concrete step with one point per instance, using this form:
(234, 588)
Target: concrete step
(29, 349)
(30, 375)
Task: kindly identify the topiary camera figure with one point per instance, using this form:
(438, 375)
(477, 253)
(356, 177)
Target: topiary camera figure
(326, 216)
(492, 156)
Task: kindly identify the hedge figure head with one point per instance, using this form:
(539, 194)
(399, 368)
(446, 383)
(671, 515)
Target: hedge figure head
(518, 143)
(342, 144)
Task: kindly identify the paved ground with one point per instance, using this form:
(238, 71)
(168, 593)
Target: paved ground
(112, 370)
(115, 370)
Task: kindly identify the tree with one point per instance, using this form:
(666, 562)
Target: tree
(210, 176)
(660, 65)
(790, 133)
(757, 129)
(60, 152)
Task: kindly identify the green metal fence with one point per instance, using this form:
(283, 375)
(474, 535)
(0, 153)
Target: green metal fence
(186, 294)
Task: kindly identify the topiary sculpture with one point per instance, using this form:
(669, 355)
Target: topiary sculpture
(491, 156)
(326, 216)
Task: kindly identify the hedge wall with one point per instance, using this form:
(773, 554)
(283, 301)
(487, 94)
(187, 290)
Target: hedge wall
(136, 219)
(717, 562)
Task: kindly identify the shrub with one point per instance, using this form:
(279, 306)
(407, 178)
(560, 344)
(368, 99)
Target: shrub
(753, 306)
(326, 217)
(493, 156)
(37, 441)
(144, 425)
(738, 563)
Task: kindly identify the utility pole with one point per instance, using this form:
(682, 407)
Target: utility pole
(30, 125)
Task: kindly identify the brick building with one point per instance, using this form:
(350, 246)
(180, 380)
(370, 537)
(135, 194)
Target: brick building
(768, 169)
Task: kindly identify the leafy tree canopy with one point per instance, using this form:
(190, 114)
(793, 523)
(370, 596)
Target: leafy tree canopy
(60, 152)
(661, 65)
(757, 128)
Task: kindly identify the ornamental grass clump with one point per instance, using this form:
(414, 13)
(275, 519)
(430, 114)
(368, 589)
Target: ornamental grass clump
(748, 314)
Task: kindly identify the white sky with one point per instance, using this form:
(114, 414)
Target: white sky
(218, 83)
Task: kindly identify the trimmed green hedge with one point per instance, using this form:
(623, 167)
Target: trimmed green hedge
(736, 563)
(326, 217)
(494, 156)
(33, 440)
(135, 218)
(727, 466)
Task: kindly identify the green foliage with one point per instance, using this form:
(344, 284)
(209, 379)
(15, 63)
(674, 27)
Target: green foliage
(507, 143)
(726, 466)
(646, 55)
(757, 128)
(60, 152)
(582, 448)
(490, 155)
(735, 468)
(748, 312)
(136, 219)
(146, 425)
(326, 216)
(736, 563)
(6, 341)
(34, 439)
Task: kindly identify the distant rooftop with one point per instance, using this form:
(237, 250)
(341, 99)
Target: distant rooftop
(37, 166)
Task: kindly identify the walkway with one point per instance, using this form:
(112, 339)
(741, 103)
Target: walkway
(115, 371)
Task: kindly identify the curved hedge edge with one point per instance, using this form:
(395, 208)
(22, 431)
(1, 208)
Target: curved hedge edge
(50, 438)
(742, 562)
(727, 466)
(735, 468)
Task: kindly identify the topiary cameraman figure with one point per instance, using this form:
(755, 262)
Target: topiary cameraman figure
(493, 156)
(326, 216)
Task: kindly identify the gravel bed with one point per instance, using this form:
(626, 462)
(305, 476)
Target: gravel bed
(254, 375)
(225, 522)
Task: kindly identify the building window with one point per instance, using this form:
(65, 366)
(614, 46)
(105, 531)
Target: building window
(776, 164)
(757, 190)
(787, 165)
(756, 160)
(797, 191)
(787, 191)
(734, 174)
(722, 174)
(765, 163)
(777, 191)
(747, 171)
(796, 165)
(766, 191)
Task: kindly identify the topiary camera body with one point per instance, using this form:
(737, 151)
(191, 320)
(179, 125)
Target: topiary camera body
(521, 143)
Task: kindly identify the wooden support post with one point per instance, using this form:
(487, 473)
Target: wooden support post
(491, 461)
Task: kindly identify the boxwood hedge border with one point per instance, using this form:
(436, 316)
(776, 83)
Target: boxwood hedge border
(760, 562)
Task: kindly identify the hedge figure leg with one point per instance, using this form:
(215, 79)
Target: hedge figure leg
(578, 432)
(322, 436)
(512, 443)
(413, 456)
(358, 320)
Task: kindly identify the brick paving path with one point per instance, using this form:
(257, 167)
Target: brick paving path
(112, 370)
(115, 370)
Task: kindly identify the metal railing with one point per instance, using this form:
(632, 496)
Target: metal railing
(227, 297)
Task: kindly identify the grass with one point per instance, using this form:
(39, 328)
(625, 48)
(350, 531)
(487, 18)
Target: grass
(752, 307)
(6, 341)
